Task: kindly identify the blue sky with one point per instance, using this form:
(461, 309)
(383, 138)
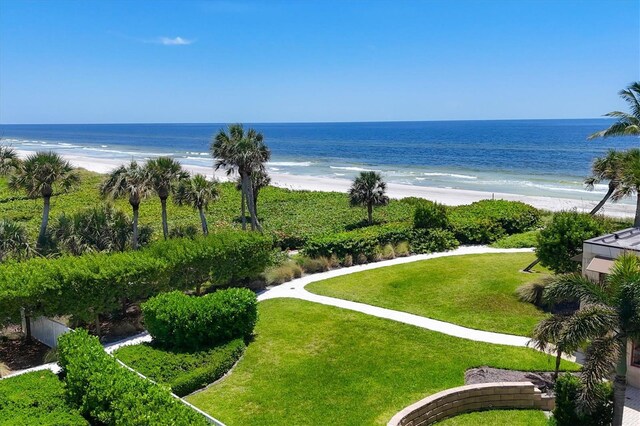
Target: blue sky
(270, 61)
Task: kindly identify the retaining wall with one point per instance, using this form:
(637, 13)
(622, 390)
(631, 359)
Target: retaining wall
(463, 399)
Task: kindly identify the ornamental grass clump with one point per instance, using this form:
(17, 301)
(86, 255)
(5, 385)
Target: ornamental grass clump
(178, 321)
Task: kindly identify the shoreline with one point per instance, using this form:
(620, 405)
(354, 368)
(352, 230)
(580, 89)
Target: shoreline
(447, 196)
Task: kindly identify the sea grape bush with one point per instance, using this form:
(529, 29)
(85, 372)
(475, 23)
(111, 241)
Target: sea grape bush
(430, 215)
(178, 321)
(93, 284)
(110, 394)
(567, 413)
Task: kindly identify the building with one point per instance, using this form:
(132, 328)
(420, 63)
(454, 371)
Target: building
(598, 257)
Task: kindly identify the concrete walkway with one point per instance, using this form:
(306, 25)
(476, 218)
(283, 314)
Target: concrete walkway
(295, 289)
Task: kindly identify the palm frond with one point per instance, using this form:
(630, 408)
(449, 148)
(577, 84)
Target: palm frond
(600, 360)
(574, 287)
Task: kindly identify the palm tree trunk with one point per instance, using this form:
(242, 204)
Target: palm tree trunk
(242, 208)
(255, 201)
(558, 361)
(370, 213)
(636, 221)
(203, 220)
(606, 197)
(98, 329)
(620, 386)
(45, 220)
(134, 236)
(165, 225)
(255, 224)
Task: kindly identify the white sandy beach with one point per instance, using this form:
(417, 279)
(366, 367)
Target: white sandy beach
(451, 197)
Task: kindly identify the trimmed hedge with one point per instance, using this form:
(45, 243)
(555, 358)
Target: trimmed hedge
(36, 398)
(368, 241)
(185, 372)
(93, 284)
(176, 320)
(430, 215)
(109, 394)
(486, 221)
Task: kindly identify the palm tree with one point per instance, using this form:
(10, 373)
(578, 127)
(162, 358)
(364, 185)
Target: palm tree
(605, 168)
(245, 154)
(368, 190)
(549, 334)
(197, 192)
(40, 175)
(628, 124)
(13, 240)
(259, 179)
(164, 173)
(608, 317)
(130, 181)
(8, 159)
(630, 180)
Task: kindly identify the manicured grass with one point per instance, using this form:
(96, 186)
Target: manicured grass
(184, 372)
(498, 417)
(287, 213)
(312, 364)
(476, 291)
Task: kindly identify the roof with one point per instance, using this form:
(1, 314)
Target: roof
(627, 239)
(600, 264)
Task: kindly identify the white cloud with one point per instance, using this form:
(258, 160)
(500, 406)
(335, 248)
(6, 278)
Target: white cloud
(177, 41)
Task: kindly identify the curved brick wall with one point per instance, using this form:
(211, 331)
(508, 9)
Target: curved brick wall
(464, 399)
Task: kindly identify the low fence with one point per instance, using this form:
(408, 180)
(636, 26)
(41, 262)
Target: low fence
(464, 399)
(45, 330)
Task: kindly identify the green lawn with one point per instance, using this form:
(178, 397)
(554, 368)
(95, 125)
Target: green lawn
(312, 364)
(476, 291)
(498, 417)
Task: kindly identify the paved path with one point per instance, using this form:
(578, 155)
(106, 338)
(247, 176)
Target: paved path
(295, 289)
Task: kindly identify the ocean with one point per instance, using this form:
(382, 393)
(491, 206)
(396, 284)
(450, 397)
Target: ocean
(527, 157)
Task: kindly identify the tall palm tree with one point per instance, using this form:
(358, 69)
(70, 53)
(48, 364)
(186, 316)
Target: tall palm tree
(628, 124)
(197, 192)
(245, 154)
(40, 175)
(259, 179)
(609, 316)
(368, 189)
(164, 174)
(13, 240)
(605, 168)
(133, 182)
(8, 159)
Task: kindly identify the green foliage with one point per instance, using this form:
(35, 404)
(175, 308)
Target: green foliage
(183, 322)
(184, 372)
(486, 221)
(522, 240)
(563, 237)
(88, 285)
(430, 215)
(567, 411)
(36, 398)
(109, 394)
(432, 240)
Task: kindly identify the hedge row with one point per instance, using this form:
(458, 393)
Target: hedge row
(93, 284)
(176, 320)
(36, 398)
(486, 221)
(109, 394)
(185, 372)
(367, 241)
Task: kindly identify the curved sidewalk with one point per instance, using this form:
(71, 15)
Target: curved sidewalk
(295, 289)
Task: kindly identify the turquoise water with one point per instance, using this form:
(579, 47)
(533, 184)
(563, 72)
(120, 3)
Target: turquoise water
(530, 157)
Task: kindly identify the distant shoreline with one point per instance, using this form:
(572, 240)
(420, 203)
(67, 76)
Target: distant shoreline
(451, 197)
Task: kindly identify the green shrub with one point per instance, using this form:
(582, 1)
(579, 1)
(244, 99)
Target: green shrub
(282, 273)
(402, 249)
(84, 286)
(36, 398)
(184, 372)
(430, 215)
(110, 394)
(486, 221)
(524, 240)
(567, 412)
(432, 240)
(176, 320)
(563, 237)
